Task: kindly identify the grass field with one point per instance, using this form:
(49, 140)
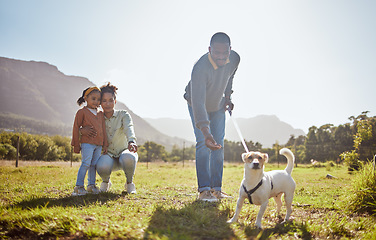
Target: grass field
(36, 202)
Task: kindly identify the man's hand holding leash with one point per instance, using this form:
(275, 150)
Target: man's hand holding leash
(229, 106)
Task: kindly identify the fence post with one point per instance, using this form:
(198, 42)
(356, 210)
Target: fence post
(296, 157)
(183, 152)
(277, 153)
(71, 156)
(147, 156)
(18, 149)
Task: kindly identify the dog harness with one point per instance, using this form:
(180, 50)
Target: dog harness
(250, 192)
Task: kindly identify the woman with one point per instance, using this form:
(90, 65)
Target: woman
(122, 147)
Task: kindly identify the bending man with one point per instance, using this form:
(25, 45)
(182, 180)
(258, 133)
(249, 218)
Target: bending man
(208, 94)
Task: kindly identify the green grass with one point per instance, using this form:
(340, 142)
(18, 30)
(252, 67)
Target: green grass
(36, 202)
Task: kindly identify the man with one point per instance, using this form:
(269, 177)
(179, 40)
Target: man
(208, 94)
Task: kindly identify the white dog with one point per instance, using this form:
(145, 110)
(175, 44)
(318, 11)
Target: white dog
(258, 186)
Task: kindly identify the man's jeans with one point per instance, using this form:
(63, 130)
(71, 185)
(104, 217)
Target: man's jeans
(209, 164)
(90, 154)
(126, 162)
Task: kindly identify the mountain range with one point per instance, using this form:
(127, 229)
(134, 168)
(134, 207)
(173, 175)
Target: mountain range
(38, 90)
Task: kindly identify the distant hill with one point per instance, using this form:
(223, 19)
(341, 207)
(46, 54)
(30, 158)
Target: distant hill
(40, 92)
(265, 129)
(181, 128)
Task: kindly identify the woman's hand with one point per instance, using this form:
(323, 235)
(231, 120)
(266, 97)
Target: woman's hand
(132, 147)
(88, 131)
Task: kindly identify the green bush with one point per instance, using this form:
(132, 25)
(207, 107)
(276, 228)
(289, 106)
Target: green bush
(363, 198)
(329, 165)
(35, 147)
(7, 151)
(351, 158)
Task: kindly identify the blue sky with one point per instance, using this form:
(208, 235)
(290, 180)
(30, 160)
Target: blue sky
(308, 62)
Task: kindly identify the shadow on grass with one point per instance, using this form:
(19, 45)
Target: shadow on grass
(196, 220)
(292, 229)
(67, 201)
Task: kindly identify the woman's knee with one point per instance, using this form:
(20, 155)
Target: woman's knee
(104, 164)
(128, 159)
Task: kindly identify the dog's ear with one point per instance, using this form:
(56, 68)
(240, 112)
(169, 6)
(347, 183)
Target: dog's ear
(244, 156)
(266, 157)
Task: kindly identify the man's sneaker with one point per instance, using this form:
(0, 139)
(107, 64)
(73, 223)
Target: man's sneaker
(79, 191)
(131, 188)
(105, 186)
(220, 195)
(207, 196)
(92, 189)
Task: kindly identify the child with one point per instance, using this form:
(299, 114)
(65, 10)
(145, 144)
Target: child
(90, 147)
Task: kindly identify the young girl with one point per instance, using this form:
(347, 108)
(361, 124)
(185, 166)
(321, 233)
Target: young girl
(90, 147)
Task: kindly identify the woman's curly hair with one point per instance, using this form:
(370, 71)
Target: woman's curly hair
(109, 89)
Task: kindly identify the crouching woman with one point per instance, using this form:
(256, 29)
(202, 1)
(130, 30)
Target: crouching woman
(122, 147)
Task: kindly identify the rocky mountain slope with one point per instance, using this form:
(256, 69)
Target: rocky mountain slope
(38, 90)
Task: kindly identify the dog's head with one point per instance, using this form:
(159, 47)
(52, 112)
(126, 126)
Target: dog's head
(255, 160)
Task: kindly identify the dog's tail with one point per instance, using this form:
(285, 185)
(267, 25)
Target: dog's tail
(290, 159)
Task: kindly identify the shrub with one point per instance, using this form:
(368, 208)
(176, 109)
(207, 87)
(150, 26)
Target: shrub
(7, 151)
(35, 147)
(363, 200)
(351, 158)
(329, 165)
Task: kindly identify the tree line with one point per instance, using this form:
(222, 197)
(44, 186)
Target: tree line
(35, 147)
(58, 148)
(330, 142)
(355, 141)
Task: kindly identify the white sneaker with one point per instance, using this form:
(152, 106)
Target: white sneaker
(79, 191)
(92, 189)
(105, 186)
(207, 196)
(131, 188)
(220, 195)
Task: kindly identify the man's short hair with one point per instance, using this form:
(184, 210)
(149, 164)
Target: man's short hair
(220, 37)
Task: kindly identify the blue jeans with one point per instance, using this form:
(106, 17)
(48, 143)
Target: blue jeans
(90, 154)
(209, 164)
(126, 162)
